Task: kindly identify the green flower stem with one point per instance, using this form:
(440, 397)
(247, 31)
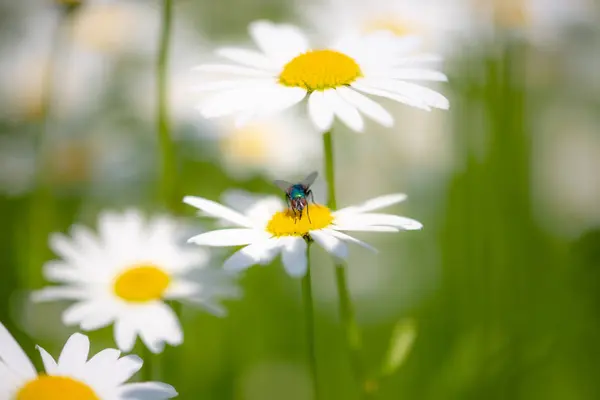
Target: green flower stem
(329, 170)
(168, 171)
(167, 185)
(347, 316)
(149, 369)
(42, 208)
(310, 325)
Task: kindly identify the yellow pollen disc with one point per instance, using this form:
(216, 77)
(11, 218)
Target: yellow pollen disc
(46, 387)
(283, 223)
(141, 284)
(320, 70)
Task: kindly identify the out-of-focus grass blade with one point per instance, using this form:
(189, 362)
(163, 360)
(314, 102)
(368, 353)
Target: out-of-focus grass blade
(401, 343)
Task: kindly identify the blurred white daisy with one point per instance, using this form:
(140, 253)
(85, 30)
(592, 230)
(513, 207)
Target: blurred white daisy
(116, 26)
(98, 33)
(124, 276)
(271, 229)
(439, 22)
(279, 146)
(541, 21)
(287, 69)
(73, 376)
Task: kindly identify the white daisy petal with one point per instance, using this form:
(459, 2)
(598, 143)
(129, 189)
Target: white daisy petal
(431, 97)
(126, 367)
(345, 112)
(418, 59)
(13, 356)
(367, 106)
(231, 69)
(349, 238)
(330, 243)
(410, 90)
(280, 42)
(125, 334)
(257, 253)
(62, 246)
(375, 204)
(366, 87)
(182, 290)
(171, 328)
(147, 391)
(102, 361)
(231, 84)
(227, 237)
(269, 100)
(247, 57)
(76, 312)
(352, 226)
(417, 74)
(59, 293)
(216, 210)
(386, 220)
(74, 354)
(99, 319)
(58, 271)
(50, 365)
(294, 256)
(320, 111)
(213, 308)
(230, 101)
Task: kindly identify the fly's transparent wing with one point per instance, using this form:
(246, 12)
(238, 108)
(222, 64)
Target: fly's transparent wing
(283, 185)
(309, 180)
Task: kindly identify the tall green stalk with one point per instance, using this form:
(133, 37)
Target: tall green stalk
(347, 315)
(310, 324)
(168, 170)
(41, 208)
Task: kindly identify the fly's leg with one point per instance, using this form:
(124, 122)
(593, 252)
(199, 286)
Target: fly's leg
(312, 196)
(308, 215)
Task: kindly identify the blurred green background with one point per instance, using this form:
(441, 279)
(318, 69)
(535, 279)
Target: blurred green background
(503, 283)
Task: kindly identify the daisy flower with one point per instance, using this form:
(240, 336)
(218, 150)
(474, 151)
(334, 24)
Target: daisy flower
(288, 69)
(270, 228)
(270, 146)
(125, 274)
(73, 376)
(542, 22)
(438, 22)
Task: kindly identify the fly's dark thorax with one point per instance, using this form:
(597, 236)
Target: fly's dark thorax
(297, 192)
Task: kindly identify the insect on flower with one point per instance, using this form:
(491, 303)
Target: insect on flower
(298, 193)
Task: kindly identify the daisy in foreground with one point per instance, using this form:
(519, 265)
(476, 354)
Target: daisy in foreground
(125, 274)
(73, 376)
(271, 229)
(287, 69)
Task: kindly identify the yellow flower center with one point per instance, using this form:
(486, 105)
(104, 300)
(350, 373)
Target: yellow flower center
(285, 223)
(320, 70)
(46, 387)
(390, 24)
(248, 145)
(141, 284)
